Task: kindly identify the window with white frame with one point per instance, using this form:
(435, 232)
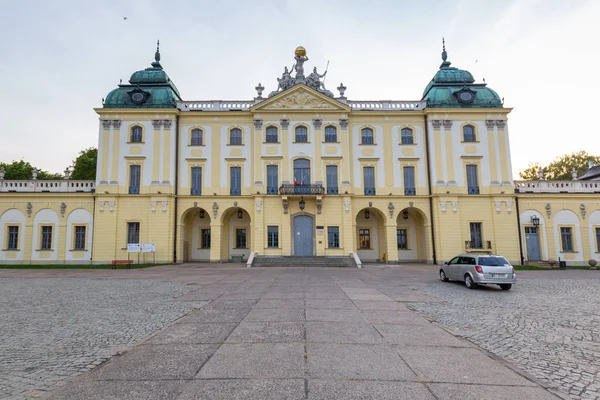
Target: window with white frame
(136, 134)
(301, 133)
(271, 134)
(235, 136)
(366, 136)
(331, 134)
(407, 136)
(79, 238)
(566, 238)
(469, 133)
(197, 136)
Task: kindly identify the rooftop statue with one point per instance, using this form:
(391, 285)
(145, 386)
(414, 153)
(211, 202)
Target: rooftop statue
(313, 80)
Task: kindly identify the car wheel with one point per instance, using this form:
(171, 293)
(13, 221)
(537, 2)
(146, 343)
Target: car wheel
(443, 277)
(506, 286)
(469, 282)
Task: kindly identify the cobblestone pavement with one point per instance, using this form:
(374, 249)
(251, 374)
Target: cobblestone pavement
(51, 329)
(548, 326)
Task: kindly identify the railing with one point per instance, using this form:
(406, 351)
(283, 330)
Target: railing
(387, 105)
(311, 189)
(410, 191)
(272, 190)
(134, 190)
(557, 186)
(473, 189)
(54, 186)
(369, 191)
(332, 190)
(216, 105)
(235, 191)
(478, 245)
(195, 192)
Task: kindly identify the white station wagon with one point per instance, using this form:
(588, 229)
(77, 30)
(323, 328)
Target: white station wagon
(474, 269)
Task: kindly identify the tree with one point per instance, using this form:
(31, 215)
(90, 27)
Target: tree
(24, 170)
(84, 166)
(561, 168)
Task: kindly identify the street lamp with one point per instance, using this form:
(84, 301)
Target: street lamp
(367, 214)
(535, 221)
(405, 214)
(201, 213)
(302, 203)
(240, 214)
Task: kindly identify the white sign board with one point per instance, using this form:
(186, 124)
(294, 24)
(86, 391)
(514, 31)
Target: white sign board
(148, 248)
(133, 248)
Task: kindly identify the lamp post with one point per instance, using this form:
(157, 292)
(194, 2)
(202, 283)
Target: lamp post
(302, 204)
(201, 213)
(367, 214)
(240, 213)
(405, 214)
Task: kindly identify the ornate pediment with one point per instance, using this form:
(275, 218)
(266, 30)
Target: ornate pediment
(299, 98)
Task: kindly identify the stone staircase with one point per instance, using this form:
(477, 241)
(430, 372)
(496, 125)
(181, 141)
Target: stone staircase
(300, 261)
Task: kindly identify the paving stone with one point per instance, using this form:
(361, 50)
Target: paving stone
(319, 389)
(251, 389)
(119, 390)
(333, 315)
(275, 315)
(282, 295)
(342, 332)
(280, 303)
(369, 297)
(395, 317)
(168, 361)
(355, 361)
(215, 315)
(380, 305)
(214, 332)
(230, 304)
(268, 332)
(458, 365)
(328, 303)
(489, 392)
(419, 335)
(256, 360)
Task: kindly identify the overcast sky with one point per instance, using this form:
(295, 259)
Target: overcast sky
(60, 58)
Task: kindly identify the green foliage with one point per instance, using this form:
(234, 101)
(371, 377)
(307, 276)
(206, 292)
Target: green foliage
(24, 170)
(84, 166)
(561, 167)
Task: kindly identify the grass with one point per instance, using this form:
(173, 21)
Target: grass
(534, 268)
(73, 266)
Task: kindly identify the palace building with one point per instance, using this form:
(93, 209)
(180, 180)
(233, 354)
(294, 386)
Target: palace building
(301, 172)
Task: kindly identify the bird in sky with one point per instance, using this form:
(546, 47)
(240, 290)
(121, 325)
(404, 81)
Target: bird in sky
(125, 18)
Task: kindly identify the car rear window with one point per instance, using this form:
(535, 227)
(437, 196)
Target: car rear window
(493, 261)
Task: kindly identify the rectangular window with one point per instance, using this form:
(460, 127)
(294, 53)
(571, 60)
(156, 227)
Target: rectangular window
(476, 238)
(364, 238)
(566, 237)
(13, 238)
(598, 240)
(273, 236)
(133, 233)
(472, 179)
(333, 237)
(46, 238)
(402, 238)
(272, 179)
(134, 179)
(196, 181)
(409, 181)
(369, 178)
(79, 238)
(205, 238)
(332, 179)
(240, 238)
(235, 181)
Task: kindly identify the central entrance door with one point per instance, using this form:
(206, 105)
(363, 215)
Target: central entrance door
(303, 235)
(532, 240)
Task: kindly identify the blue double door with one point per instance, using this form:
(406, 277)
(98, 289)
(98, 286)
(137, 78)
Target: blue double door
(303, 235)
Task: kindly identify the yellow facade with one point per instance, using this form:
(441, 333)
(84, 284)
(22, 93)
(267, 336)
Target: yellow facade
(170, 177)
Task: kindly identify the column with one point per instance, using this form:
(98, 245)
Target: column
(285, 162)
(257, 170)
(503, 150)
(391, 241)
(216, 231)
(492, 151)
(114, 156)
(317, 124)
(437, 147)
(156, 155)
(345, 170)
(166, 177)
(448, 154)
(103, 157)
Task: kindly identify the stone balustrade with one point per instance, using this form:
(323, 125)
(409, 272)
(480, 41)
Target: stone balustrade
(557, 186)
(43, 186)
(244, 105)
(217, 105)
(387, 105)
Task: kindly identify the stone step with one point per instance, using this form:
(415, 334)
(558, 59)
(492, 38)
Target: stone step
(288, 261)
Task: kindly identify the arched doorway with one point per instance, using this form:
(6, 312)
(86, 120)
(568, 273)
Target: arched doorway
(303, 235)
(410, 235)
(236, 233)
(196, 235)
(370, 234)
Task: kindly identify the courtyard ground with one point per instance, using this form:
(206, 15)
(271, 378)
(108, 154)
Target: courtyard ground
(191, 332)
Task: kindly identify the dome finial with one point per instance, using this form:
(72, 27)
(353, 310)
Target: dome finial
(157, 54)
(445, 62)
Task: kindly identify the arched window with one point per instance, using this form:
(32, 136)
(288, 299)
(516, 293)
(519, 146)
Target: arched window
(196, 137)
(366, 135)
(136, 134)
(301, 134)
(407, 136)
(468, 133)
(235, 136)
(271, 134)
(330, 134)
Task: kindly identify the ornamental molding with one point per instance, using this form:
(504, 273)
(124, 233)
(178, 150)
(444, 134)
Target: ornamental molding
(344, 123)
(490, 123)
(156, 123)
(116, 123)
(215, 209)
(391, 209)
(436, 123)
(167, 123)
(106, 123)
(317, 123)
(63, 209)
(583, 211)
(101, 205)
(258, 203)
(447, 124)
(111, 205)
(153, 205)
(285, 123)
(300, 99)
(164, 205)
(501, 123)
(258, 123)
(285, 204)
(497, 204)
(454, 205)
(319, 206)
(509, 206)
(347, 205)
(443, 205)
(29, 209)
(548, 209)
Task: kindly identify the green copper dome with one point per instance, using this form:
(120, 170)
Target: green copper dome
(148, 88)
(453, 87)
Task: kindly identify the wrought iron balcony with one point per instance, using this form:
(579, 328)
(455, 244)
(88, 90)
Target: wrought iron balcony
(309, 189)
(235, 191)
(196, 192)
(272, 190)
(473, 189)
(410, 191)
(478, 245)
(369, 191)
(134, 190)
(332, 190)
